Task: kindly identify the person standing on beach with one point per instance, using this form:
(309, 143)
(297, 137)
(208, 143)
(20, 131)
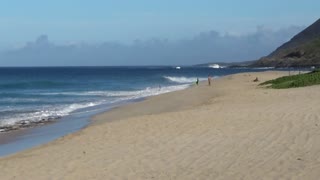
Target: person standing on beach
(197, 82)
(209, 80)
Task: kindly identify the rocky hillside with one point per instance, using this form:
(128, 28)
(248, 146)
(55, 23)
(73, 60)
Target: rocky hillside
(302, 50)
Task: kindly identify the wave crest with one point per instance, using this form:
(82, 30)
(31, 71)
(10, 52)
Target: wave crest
(64, 110)
(182, 79)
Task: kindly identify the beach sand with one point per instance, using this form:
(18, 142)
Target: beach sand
(233, 129)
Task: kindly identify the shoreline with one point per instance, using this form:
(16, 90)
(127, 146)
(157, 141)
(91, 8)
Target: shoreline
(115, 111)
(15, 139)
(232, 129)
(130, 110)
(22, 139)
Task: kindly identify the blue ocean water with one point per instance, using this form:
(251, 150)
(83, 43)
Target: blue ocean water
(36, 94)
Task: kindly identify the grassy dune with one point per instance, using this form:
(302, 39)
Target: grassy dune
(294, 81)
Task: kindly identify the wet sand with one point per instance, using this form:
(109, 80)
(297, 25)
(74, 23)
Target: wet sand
(233, 129)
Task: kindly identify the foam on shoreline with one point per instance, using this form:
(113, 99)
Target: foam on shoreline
(42, 117)
(233, 129)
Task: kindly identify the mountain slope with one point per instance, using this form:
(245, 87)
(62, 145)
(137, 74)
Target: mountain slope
(302, 50)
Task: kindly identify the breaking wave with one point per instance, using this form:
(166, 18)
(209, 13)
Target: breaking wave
(54, 112)
(183, 80)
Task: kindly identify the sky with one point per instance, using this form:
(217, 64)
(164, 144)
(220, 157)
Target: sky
(66, 23)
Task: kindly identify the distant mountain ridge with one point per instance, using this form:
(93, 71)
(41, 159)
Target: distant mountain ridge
(302, 50)
(227, 64)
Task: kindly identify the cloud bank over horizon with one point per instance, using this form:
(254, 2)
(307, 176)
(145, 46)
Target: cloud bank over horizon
(210, 46)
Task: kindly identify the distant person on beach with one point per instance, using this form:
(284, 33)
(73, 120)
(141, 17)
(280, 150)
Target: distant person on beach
(256, 80)
(197, 82)
(209, 80)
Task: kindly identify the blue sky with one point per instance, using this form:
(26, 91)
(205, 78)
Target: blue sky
(94, 22)
(124, 20)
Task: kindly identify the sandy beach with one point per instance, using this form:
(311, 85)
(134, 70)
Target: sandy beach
(233, 129)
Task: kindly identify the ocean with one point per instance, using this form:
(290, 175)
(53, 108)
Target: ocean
(46, 103)
(35, 95)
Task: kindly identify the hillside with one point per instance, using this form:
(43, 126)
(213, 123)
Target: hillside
(302, 50)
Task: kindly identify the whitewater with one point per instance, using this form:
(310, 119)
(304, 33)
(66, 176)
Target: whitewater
(32, 96)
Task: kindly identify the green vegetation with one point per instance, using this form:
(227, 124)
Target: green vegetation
(301, 80)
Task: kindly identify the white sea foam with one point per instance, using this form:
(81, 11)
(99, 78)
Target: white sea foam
(64, 110)
(152, 91)
(149, 91)
(94, 93)
(20, 100)
(264, 68)
(183, 80)
(129, 95)
(55, 112)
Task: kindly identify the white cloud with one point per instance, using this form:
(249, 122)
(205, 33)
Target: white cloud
(205, 47)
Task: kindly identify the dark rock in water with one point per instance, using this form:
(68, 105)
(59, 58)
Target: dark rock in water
(28, 124)
(24, 123)
(9, 128)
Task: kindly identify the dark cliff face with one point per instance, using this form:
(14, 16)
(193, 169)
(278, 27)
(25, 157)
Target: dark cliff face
(302, 50)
